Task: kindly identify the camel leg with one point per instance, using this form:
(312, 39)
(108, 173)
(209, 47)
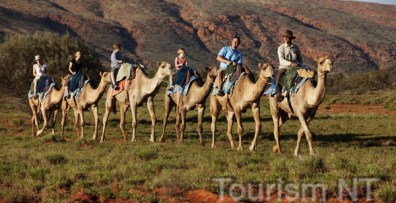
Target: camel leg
(299, 136)
(134, 122)
(44, 114)
(275, 114)
(177, 125)
(168, 107)
(108, 105)
(95, 114)
(230, 115)
(256, 116)
(201, 111)
(308, 134)
(65, 109)
(183, 112)
(82, 122)
(53, 121)
(150, 106)
(214, 111)
(238, 117)
(34, 119)
(123, 109)
(76, 127)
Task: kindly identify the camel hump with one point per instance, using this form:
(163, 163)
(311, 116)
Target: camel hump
(124, 72)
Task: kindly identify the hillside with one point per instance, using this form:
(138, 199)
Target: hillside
(357, 36)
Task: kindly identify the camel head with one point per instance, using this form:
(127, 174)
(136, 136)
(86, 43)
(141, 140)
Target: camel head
(164, 69)
(266, 70)
(104, 77)
(64, 81)
(324, 65)
(212, 71)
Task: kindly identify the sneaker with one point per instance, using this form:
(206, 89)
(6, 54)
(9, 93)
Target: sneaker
(35, 96)
(279, 98)
(170, 88)
(220, 93)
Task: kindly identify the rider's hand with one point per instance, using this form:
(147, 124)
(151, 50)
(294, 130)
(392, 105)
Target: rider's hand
(293, 64)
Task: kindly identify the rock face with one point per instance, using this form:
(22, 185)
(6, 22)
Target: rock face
(357, 36)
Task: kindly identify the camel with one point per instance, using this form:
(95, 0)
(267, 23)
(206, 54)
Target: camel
(141, 89)
(304, 105)
(195, 98)
(51, 102)
(246, 94)
(89, 97)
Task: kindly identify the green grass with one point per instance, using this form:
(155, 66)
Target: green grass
(51, 168)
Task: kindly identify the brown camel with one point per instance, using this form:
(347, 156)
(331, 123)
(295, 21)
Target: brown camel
(246, 94)
(195, 98)
(89, 97)
(50, 103)
(304, 105)
(141, 89)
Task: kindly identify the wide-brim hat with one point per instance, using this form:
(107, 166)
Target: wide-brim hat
(288, 33)
(37, 57)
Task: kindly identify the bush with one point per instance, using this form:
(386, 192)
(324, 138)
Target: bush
(17, 56)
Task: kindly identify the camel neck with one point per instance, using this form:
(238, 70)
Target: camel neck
(317, 94)
(151, 83)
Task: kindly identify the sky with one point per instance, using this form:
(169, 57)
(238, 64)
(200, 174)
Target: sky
(379, 1)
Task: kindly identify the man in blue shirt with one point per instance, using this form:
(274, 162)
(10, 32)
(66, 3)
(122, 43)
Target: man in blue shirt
(229, 55)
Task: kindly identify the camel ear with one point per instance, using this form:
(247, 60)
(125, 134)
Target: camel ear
(260, 65)
(158, 63)
(207, 68)
(100, 73)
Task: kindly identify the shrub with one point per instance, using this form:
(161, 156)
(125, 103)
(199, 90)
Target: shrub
(17, 56)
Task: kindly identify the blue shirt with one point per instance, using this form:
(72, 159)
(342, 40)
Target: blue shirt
(115, 57)
(231, 55)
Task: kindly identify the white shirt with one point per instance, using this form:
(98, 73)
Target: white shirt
(40, 71)
(288, 54)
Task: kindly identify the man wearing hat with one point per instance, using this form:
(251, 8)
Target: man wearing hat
(289, 56)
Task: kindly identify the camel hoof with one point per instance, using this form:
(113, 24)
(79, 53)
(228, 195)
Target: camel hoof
(213, 146)
(133, 140)
(252, 148)
(53, 132)
(161, 139)
(275, 149)
(239, 148)
(152, 140)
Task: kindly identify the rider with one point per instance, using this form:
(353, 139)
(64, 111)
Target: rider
(116, 60)
(38, 71)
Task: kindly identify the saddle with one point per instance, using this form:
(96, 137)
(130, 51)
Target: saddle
(230, 81)
(126, 71)
(292, 80)
(183, 89)
(44, 84)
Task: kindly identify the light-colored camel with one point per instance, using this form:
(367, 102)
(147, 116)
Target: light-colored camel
(304, 105)
(89, 97)
(246, 94)
(141, 89)
(195, 98)
(50, 103)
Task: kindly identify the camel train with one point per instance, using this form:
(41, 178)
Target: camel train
(302, 104)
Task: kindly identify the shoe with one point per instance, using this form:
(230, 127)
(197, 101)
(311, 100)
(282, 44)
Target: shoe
(115, 87)
(220, 93)
(170, 88)
(35, 96)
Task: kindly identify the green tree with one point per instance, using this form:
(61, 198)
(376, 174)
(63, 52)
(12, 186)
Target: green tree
(17, 57)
